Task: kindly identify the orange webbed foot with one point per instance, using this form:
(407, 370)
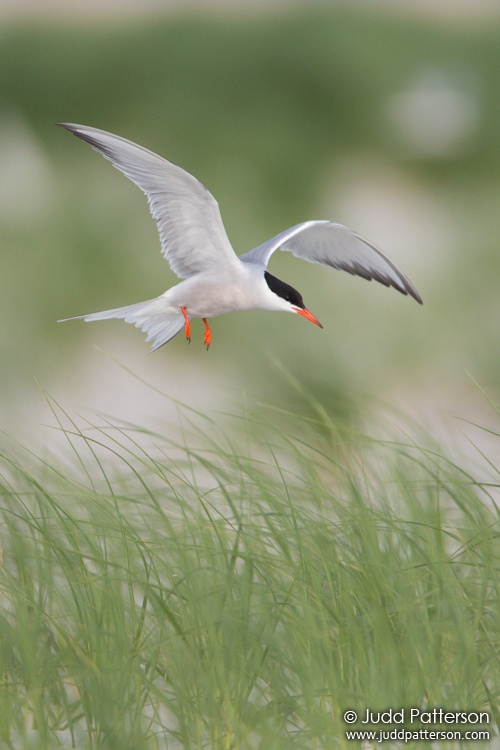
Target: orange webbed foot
(207, 338)
(187, 324)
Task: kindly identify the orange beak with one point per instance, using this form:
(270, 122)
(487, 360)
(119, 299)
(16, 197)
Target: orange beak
(308, 315)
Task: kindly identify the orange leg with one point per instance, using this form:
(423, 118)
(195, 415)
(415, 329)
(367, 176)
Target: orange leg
(187, 324)
(207, 338)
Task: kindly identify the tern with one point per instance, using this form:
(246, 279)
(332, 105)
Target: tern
(195, 243)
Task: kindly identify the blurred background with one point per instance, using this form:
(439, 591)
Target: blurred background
(384, 116)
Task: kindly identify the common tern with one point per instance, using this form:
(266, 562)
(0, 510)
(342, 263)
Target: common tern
(195, 243)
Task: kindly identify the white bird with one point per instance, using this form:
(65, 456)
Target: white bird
(195, 243)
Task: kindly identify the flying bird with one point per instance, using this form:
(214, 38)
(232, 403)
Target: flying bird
(195, 243)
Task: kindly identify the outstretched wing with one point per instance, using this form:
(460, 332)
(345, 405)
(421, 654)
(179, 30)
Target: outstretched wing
(334, 245)
(192, 234)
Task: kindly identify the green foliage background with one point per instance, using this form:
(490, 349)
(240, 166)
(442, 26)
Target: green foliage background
(267, 112)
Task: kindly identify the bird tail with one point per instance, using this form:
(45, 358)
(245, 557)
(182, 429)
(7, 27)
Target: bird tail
(157, 319)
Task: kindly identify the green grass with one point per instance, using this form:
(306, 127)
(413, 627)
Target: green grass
(241, 586)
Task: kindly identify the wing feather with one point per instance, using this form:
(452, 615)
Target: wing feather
(332, 244)
(192, 234)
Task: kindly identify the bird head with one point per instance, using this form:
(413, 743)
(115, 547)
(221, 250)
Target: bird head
(291, 298)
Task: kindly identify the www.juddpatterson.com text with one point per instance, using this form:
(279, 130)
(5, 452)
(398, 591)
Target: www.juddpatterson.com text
(406, 735)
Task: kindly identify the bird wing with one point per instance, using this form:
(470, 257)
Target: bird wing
(192, 234)
(334, 245)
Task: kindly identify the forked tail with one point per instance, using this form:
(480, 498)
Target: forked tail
(159, 321)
